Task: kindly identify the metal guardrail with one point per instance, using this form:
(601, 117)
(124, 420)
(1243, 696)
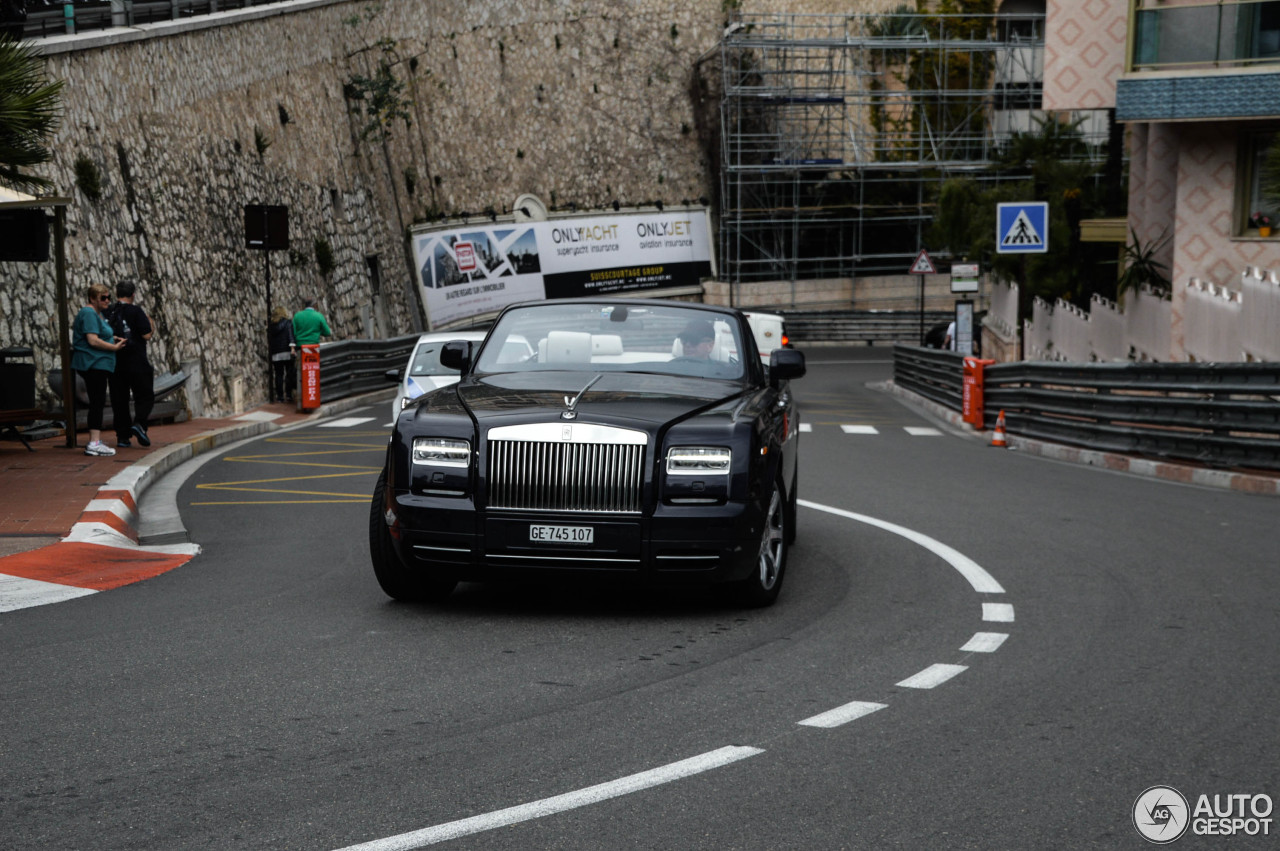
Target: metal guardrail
(869, 326)
(351, 367)
(1219, 414)
(936, 374)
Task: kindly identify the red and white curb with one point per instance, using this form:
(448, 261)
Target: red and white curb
(101, 551)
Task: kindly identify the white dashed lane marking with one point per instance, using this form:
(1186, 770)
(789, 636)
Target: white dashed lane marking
(934, 675)
(985, 642)
(858, 428)
(843, 714)
(997, 612)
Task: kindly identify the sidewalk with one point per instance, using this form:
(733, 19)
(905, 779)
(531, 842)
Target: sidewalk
(68, 521)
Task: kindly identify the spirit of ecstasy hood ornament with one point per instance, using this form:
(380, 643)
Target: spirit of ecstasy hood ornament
(571, 402)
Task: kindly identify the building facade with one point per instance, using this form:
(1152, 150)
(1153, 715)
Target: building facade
(1197, 86)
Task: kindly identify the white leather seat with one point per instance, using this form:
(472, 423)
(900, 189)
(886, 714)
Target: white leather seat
(568, 347)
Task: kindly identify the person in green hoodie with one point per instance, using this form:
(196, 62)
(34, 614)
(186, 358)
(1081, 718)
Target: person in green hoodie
(309, 325)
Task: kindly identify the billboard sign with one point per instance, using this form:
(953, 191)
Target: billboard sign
(479, 269)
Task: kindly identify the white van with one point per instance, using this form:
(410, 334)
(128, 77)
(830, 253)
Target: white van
(770, 332)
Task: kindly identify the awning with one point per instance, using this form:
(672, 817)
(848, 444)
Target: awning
(13, 196)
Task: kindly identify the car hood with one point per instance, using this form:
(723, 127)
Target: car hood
(641, 400)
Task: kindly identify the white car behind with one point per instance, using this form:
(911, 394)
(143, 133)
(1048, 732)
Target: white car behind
(424, 372)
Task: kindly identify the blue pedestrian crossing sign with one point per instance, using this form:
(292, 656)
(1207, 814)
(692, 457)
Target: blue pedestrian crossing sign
(1022, 228)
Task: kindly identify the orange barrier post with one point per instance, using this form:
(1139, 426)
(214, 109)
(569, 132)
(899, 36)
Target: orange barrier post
(997, 437)
(309, 398)
(971, 391)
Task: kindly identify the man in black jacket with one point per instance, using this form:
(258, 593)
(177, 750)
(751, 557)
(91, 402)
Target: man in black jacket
(133, 370)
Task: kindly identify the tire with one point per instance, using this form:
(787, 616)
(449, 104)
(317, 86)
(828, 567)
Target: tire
(398, 580)
(762, 587)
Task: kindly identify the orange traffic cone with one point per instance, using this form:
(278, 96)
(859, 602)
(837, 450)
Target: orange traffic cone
(997, 437)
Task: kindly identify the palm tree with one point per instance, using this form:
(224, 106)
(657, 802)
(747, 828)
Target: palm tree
(30, 109)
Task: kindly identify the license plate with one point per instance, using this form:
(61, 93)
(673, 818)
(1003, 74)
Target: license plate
(562, 534)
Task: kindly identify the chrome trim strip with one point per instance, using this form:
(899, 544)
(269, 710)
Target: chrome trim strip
(688, 558)
(441, 549)
(564, 558)
(579, 433)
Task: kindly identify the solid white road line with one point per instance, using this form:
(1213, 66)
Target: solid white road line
(843, 714)
(859, 429)
(922, 431)
(806, 427)
(934, 675)
(347, 422)
(560, 803)
(997, 612)
(985, 642)
(982, 582)
(18, 592)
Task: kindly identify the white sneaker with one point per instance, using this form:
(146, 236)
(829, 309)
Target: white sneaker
(97, 447)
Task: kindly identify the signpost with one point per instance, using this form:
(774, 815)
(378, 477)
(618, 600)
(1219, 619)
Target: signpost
(1022, 228)
(922, 266)
(266, 229)
(964, 277)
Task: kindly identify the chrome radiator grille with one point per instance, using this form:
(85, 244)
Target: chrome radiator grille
(545, 476)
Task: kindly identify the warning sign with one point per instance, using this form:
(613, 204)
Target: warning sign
(923, 265)
(1022, 228)
(465, 253)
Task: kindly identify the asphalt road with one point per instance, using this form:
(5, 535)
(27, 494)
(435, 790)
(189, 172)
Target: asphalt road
(974, 649)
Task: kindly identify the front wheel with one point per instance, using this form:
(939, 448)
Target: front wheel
(398, 580)
(762, 587)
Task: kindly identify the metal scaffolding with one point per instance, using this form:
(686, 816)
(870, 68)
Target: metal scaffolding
(837, 130)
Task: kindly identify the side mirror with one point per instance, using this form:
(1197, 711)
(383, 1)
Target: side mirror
(785, 364)
(456, 354)
(393, 375)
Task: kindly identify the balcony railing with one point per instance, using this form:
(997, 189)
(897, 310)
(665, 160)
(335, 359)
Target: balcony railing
(1227, 34)
(43, 18)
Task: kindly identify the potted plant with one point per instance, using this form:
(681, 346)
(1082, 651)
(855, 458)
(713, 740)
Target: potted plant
(1262, 222)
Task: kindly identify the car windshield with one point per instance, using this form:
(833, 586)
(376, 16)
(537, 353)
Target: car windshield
(671, 340)
(426, 360)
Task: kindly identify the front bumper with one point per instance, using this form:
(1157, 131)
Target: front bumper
(672, 544)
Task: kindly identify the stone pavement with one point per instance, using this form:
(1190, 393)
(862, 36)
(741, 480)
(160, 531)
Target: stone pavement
(69, 521)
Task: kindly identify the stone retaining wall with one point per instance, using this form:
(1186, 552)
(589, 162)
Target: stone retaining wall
(184, 123)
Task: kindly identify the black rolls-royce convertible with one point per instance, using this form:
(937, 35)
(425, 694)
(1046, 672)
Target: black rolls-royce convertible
(625, 438)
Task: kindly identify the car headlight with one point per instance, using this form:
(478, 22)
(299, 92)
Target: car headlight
(699, 460)
(441, 451)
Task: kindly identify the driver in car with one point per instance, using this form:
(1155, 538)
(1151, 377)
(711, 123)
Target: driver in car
(697, 339)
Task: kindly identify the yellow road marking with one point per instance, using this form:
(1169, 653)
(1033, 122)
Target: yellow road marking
(282, 459)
